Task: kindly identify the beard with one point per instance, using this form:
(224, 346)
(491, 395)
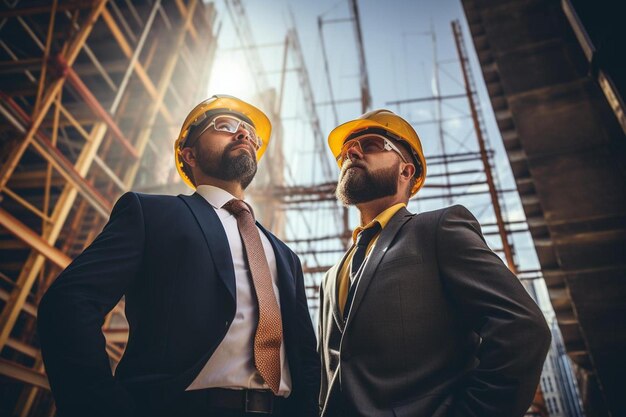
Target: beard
(358, 185)
(241, 168)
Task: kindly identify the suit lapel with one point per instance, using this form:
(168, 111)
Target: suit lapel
(371, 265)
(215, 238)
(285, 276)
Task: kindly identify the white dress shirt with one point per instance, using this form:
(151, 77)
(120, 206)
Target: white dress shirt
(232, 363)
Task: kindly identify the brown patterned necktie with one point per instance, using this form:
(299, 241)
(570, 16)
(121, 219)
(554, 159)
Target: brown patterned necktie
(269, 331)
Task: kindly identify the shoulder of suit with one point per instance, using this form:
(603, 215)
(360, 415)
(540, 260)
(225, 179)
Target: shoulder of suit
(151, 200)
(155, 198)
(435, 216)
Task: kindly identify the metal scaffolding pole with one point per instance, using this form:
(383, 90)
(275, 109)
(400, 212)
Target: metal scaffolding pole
(309, 101)
(471, 94)
(442, 141)
(333, 103)
(366, 98)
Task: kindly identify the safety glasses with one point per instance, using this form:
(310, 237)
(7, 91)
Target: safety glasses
(368, 144)
(228, 124)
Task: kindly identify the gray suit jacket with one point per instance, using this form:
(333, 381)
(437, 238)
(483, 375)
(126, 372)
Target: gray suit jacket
(438, 326)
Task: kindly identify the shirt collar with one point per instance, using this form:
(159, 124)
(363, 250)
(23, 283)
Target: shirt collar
(382, 219)
(216, 196)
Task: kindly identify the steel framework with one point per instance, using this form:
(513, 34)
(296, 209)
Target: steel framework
(92, 94)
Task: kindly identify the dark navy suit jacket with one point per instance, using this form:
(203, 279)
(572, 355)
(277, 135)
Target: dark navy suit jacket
(169, 256)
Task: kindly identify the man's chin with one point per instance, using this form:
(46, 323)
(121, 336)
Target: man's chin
(357, 187)
(352, 190)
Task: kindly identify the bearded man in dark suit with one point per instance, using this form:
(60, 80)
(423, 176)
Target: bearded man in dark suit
(420, 318)
(216, 305)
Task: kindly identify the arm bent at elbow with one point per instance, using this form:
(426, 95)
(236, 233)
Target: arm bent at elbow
(514, 333)
(72, 312)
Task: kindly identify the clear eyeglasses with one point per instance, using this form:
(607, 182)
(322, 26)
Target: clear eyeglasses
(368, 144)
(228, 124)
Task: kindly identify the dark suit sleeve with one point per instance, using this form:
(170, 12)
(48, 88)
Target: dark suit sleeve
(72, 311)
(515, 336)
(308, 343)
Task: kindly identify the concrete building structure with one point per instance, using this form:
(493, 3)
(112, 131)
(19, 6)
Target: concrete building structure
(556, 84)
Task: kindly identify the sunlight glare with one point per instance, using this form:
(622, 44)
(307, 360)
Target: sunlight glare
(231, 75)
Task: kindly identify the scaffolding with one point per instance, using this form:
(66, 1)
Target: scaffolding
(91, 95)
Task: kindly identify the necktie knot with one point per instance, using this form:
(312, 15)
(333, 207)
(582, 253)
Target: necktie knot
(237, 207)
(366, 235)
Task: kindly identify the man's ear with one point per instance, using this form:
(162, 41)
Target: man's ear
(408, 171)
(188, 156)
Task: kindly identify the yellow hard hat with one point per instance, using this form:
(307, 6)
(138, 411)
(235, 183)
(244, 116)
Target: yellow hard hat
(391, 123)
(215, 105)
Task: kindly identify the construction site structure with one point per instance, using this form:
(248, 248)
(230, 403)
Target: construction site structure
(91, 96)
(555, 81)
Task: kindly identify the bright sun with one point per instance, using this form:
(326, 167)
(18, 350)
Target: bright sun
(231, 75)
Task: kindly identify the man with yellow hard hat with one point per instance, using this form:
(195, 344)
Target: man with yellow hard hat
(216, 304)
(420, 318)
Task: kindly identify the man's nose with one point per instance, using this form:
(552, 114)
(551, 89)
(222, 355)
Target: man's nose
(354, 151)
(242, 133)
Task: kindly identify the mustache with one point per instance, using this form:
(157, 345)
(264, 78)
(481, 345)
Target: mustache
(351, 164)
(232, 145)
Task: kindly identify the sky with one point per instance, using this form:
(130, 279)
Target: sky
(402, 41)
